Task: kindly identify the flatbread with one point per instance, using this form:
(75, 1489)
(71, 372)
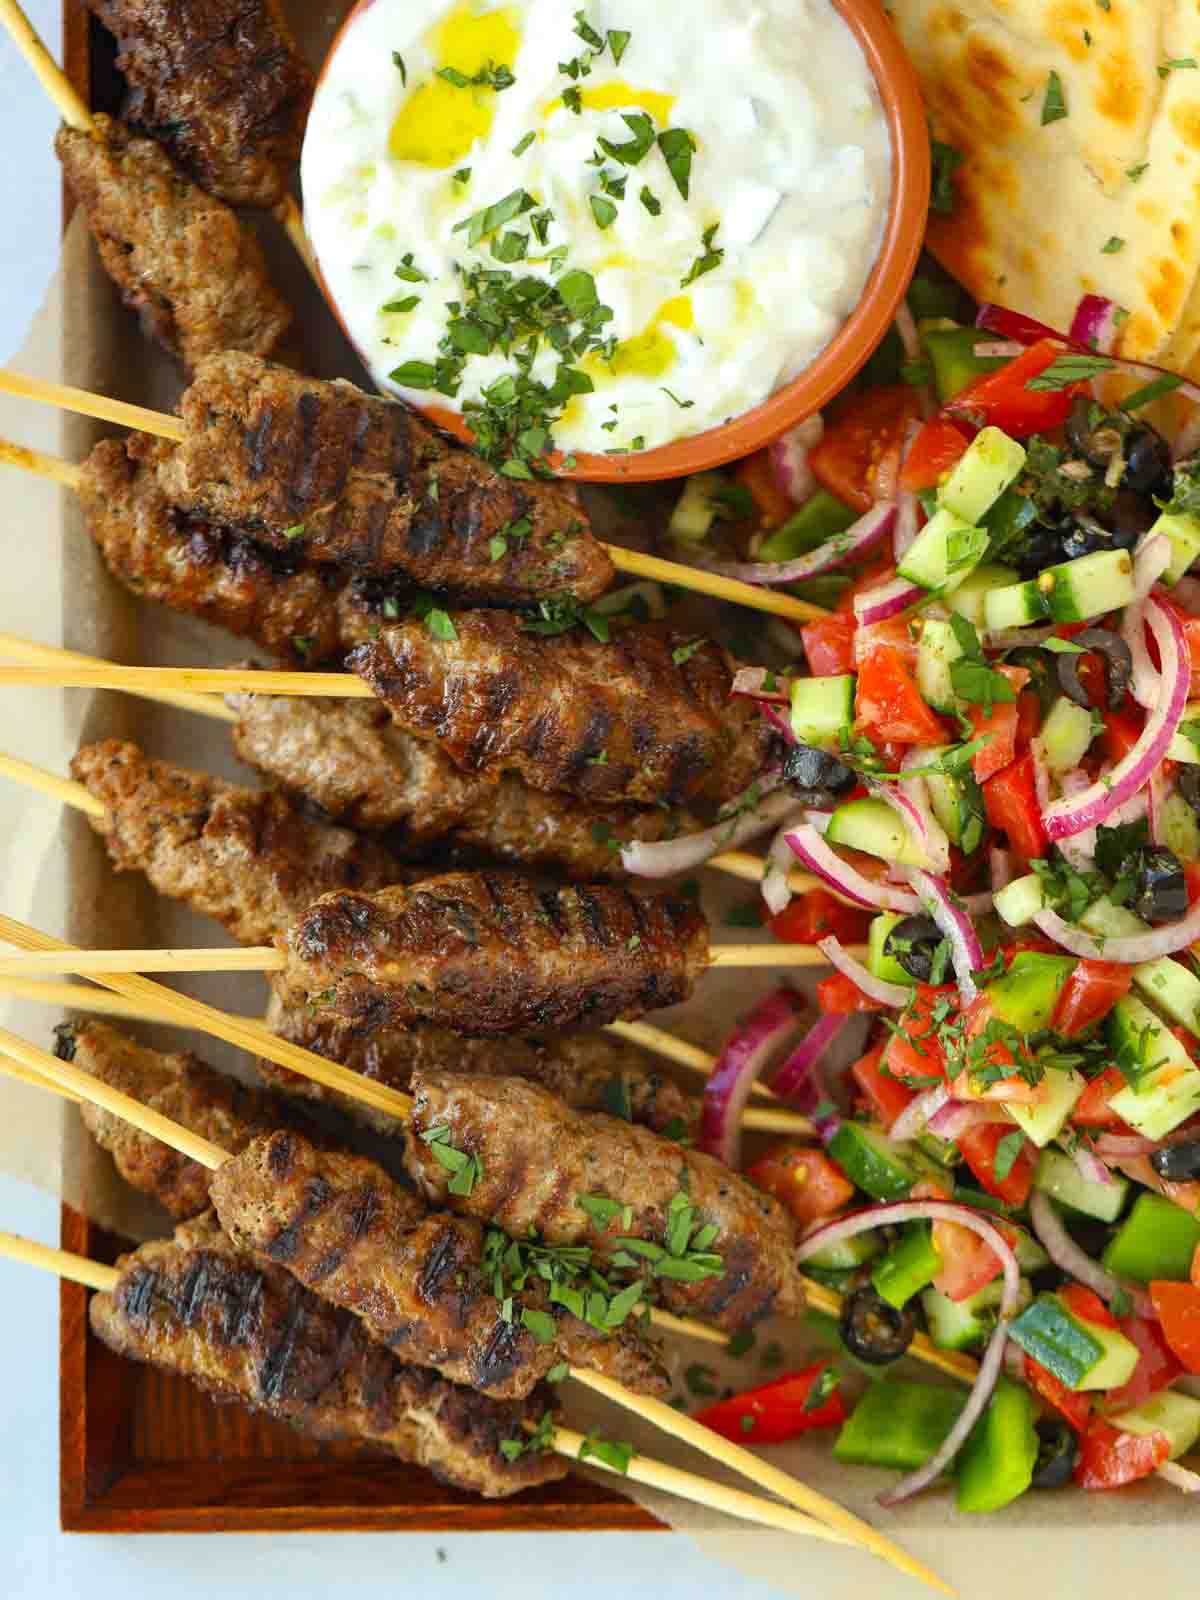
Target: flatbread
(1106, 199)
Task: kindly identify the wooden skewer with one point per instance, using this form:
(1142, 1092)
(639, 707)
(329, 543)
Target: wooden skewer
(564, 1441)
(663, 1416)
(165, 426)
(41, 465)
(202, 705)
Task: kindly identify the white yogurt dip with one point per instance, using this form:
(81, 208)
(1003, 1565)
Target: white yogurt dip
(706, 182)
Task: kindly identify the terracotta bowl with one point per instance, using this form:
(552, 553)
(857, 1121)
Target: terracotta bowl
(831, 371)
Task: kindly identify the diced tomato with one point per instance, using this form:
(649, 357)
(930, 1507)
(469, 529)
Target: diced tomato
(999, 727)
(1010, 799)
(968, 1262)
(1122, 729)
(994, 1054)
(935, 450)
(1003, 400)
(1090, 993)
(771, 505)
(1196, 1267)
(1157, 1366)
(1139, 1169)
(1092, 1108)
(1109, 1459)
(842, 997)
(872, 577)
(805, 1180)
(829, 645)
(1029, 717)
(815, 915)
(859, 455)
(1178, 1307)
(777, 1411)
(886, 1097)
(1070, 1404)
(1087, 1305)
(914, 1054)
(888, 704)
(978, 1146)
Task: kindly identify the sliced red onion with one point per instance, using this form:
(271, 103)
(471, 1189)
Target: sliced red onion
(998, 349)
(750, 683)
(896, 995)
(1131, 950)
(1080, 850)
(1179, 1477)
(915, 821)
(966, 952)
(776, 890)
(1013, 324)
(745, 1056)
(919, 1113)
(793, 1080)
(916, 791)
(1068, 1257)
(789, 458)
(1041, 775)
(888, 600)
(906, 327)
(669, 856)
(905, 529)
(1071, 815)
(870, 529)
(782, 724)
(956, 1116)
(1150, 561)
(1000, 866)
(1095, 323)
(978, 905)
(807, 845)
(1090, 1167)
(1145, 685)
(1120, 1144)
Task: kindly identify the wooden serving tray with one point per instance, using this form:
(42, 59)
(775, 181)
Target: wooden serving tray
(145, 1453)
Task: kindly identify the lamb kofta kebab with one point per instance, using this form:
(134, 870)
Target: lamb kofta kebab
(326, 471)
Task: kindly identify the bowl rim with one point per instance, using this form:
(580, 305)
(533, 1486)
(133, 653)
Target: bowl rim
(851, 347)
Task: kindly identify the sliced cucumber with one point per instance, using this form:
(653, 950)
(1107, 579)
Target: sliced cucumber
(1080, 1354)
(1103, 920)
(1016, 605)
(872, 826)
(1174, 988)
(1175, 1415)
(1066, 735)
(1164, 1085)
(1062, 1180)
(991, 463)
(1046, 1117)
(957, 803)
(1181, 748)
(972, 592)
(822, 708)
(847, 1254)
(1089, 586)
(881, 964)
(959, 1324)
(937, 652)
(1179, 828)
(1025, 997)
(1020, 901)
(944, 552)
(1183, 530)
(697, 508)
(873, 1163)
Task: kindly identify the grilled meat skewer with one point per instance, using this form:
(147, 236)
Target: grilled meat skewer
(346, 477)
(243, 1330)
(421, 1281)
(220, 84)
(645, 719)
(490, 953)
(246, 857)
(180, 259)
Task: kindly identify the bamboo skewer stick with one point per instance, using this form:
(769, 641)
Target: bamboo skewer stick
(202, 705)
(564, 1441)
(40, 464)
(165, 426)
(657, 1412)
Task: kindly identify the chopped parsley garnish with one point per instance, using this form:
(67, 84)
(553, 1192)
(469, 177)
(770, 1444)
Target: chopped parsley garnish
(398, 63)
(678, 147)
(559, 615)
(684, 405)
(701, 1380)
(439, 622)
(1007, 1151)
(741, 1343)
(1112, 246)
(1177, 64)
(946, 162)
(1054, 103)
(709, 261)
(465, 1171)
(603, 211)
(573, 100)
(399, 306)
(1070, 367)
(651, 201)
(823, 1388)
(587, 33)
(1150, 392)
(296, 531)
(1135, 173)
(540, 1440)
(618, 43)
(730, 502)
(747, 915)
(540, 1324)
(971, 677)
(635, 150)
(489, 77)
(685, 652)
(1185, 489)
(482, 223)
(612, 1453)
(522, 145)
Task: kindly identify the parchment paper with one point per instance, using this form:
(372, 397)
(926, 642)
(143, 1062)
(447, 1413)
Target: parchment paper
(57, 876)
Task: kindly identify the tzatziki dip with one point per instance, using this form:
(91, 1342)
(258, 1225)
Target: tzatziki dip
(598, 229)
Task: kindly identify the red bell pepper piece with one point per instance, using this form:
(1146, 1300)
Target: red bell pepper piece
(1089, 994)
(1178, 1307)
(1092, 1108)
(843, 998)
(815, 915)
(1010, 799)
(1122, 730)
(771, 505)
(888, 704)
(936, 449)
(829, 645)
(1087, 1305)
(886, 1097)
(858, 458)
(805, 1180)
(1109, 1459)
(778, 1411)
(1195, 1273)
(1002, 399)
(999, 726)
(979, 1145)
(1071, 1405)
(1157, 1367)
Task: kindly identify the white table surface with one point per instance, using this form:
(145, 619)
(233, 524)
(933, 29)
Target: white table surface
(35, 1557)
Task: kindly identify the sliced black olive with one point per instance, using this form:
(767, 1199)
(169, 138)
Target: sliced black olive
(1147, 461)
(1178, 1163)
(1118, 666)
(1057, 1449)
(874, 1331)
(1081, 436)
(1161, 894)
(1086, 536)
(815, 774)
(1042, 547)
(1131, 515)
(1042, 679)
(912, 943)
(1189, 783)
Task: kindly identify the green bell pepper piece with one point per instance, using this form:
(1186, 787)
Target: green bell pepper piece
(1157, 1240)
(898, 1425)
(909, 1266)
(955, 364)
(996, 1463)
(825, 590)
(820, 517)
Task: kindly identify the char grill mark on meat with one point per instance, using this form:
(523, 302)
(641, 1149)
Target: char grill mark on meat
(351, 478)
(496, 696)
(196, 278)
(245, 857)
(481, 953)
(538, 1155)
(216, 574)
(349, 758)
(220, 83)
(197, 1306)
(591, 1072)
(339, 1224)
(181, 1087)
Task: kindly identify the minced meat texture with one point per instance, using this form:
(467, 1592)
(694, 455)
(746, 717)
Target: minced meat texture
(195, 276)
(243, 1330)
(220, 84)
(491, 953)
